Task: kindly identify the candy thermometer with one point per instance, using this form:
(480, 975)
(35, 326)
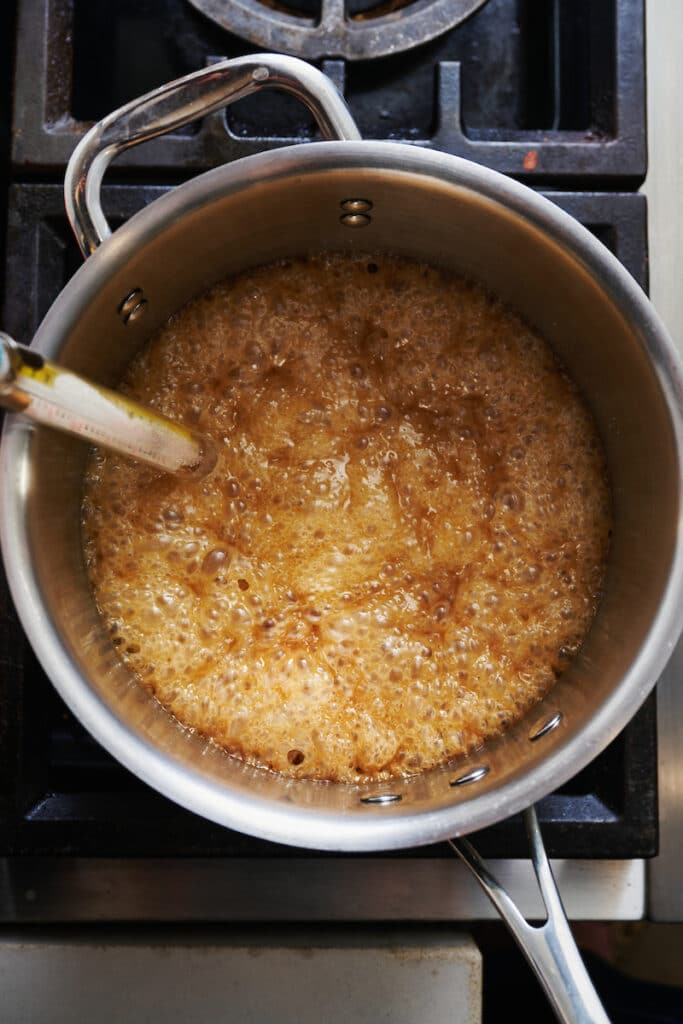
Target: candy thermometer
(56, 397)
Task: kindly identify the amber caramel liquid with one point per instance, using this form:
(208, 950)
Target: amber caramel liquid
(402, 544)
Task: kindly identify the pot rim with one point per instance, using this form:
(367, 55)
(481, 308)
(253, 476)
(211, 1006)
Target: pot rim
(386, 827)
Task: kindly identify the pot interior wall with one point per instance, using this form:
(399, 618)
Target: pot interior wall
(232, 225)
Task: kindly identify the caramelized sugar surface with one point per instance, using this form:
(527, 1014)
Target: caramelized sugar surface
(403, 541)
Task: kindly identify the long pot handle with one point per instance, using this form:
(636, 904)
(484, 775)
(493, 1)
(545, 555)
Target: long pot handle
(549, 948)
(180, 102)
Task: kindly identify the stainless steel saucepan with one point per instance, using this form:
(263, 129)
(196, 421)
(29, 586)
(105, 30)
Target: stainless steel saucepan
(347, 194)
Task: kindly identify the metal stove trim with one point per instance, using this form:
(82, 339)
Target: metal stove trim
(34, 890)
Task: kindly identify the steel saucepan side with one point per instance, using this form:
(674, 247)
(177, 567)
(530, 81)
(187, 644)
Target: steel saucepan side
(362, 196)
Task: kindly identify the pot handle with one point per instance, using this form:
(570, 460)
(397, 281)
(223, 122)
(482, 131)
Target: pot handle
(549, 948)
(180, 102)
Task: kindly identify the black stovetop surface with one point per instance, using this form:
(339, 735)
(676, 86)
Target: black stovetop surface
(548, 90)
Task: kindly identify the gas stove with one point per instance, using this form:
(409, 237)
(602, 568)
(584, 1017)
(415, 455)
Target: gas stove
(550, 92)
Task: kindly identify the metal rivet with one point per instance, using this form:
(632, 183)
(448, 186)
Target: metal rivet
(355, 220)
(381, 798)
(356, 205)
(548, 726)
(131, 300)
(474, 775)
(136, 312)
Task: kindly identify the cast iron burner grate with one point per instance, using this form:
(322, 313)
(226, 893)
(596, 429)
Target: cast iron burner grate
(546, 90)
(60, 793)
(354, 29)
(550, 91)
